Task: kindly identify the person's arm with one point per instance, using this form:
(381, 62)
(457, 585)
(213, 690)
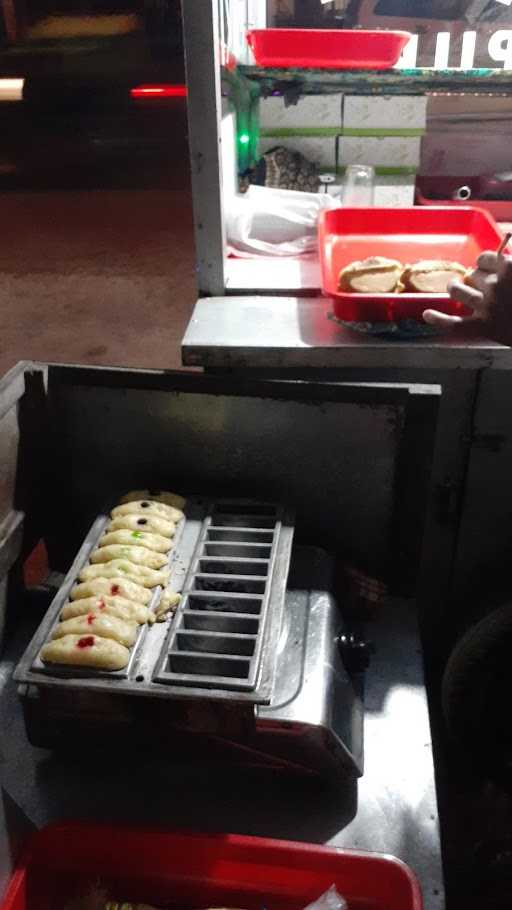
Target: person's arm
(488, 293)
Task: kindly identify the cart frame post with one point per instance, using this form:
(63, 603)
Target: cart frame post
(201, 27)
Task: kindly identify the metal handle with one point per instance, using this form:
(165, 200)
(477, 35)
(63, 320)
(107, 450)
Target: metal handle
(462, 194)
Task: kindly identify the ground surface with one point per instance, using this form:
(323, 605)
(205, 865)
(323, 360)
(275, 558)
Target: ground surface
(101, 276)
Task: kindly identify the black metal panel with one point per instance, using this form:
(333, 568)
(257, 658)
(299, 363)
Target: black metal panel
(331, 451)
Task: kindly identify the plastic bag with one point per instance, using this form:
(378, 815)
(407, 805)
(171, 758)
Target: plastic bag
(274, 222)
(330, 900)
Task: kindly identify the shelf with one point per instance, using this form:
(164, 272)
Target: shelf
(301, 274)
(297, 333)
(278, 275)
(381, 82)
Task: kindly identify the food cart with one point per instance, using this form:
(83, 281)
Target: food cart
(269, 318)
(392, 455)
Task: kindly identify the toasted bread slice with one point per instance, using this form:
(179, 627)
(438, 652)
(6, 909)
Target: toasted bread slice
(376, 275)
(431, 276)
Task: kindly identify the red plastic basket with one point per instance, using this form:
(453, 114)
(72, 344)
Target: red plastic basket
(455, 233)
(317, 48)
(201, 870)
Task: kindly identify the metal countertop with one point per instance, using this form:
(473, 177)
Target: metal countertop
(296, 332)
(392, 809)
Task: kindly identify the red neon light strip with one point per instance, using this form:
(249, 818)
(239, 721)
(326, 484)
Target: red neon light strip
(159, 91)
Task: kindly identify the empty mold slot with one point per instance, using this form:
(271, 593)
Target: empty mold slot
(216, 643)
(235, 535)
(208, 665)
(258, 522)
(202, 621)
(229, 584)
(217, 566)
(249, 508)
(247, 550)
(225, 604)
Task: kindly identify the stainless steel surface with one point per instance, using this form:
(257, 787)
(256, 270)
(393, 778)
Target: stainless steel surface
(397, 809)
(225, 585)
(202, 53)
(295, 332)
(392, 808)
(315, 707)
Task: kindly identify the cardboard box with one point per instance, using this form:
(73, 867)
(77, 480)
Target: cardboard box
(311, 111)
(387, 151)
(385, 112)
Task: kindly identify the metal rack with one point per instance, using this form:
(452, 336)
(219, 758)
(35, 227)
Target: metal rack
(416, 81)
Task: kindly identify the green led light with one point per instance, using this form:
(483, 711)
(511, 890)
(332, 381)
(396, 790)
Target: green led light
(245, 139)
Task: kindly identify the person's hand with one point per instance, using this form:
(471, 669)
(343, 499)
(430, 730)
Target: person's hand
(487, 291)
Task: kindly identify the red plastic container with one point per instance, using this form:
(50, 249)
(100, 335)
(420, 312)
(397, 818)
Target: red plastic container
(317, 48)
(201, 870)
(456, 233)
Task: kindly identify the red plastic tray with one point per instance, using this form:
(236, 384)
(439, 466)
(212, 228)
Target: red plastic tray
(201, 870)
(409, 234)
(317, 48)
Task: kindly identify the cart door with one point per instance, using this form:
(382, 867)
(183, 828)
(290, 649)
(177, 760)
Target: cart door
(352, 459)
